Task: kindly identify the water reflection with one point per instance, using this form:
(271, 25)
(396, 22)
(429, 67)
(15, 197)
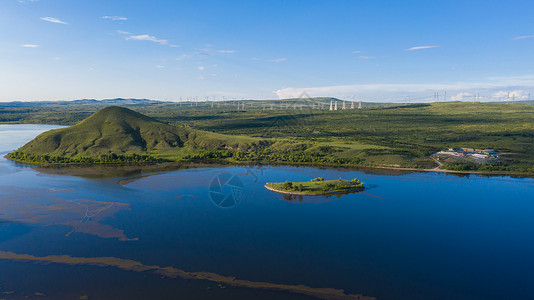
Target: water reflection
(303, 199)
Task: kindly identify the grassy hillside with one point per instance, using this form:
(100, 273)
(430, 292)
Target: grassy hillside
(121, 131)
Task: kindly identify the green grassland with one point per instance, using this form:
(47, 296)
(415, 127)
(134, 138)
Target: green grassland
(383, 136)
(116, 134)
(317, 186)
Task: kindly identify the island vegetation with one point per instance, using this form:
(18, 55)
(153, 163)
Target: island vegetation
(292, 132)
(317, 186)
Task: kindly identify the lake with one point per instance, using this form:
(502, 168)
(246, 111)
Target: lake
(217, 233)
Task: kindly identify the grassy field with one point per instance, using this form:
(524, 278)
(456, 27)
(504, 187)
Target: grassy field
(387, 136)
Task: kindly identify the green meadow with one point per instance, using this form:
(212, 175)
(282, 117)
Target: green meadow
(378, 135)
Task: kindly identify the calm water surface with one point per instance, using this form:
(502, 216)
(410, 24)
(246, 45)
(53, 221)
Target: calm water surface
(407, 236)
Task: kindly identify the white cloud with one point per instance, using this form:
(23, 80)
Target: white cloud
(365, 57)
(201, 68)
(509, 95)
(30, 46)
(277, 60)
(115, 18)
(421, 48)
(255, 58)
(160, 66)
(53, 20)
(488, 89)
(25, 1)
(355, 52)
(226, 51)
(146, 37)
(462, 96)
(523, 37)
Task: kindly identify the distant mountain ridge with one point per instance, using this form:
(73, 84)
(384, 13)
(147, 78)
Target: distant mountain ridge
(117, 101)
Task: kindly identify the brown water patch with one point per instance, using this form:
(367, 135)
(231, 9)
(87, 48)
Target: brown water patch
(371, 195)
(39, 207)
(132, 265)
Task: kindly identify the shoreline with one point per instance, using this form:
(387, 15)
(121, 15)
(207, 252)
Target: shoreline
(78, 169)
(313, 194)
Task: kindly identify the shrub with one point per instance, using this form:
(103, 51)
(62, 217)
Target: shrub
(288, 185)
(328, 187)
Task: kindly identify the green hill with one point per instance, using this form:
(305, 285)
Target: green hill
(123, 132)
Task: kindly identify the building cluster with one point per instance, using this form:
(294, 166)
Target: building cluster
(471, 152)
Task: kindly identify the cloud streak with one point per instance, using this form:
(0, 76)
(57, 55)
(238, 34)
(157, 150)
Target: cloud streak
(115, 18)
(421, 48)
(149, 38)
(30, 46)
(523, 37)
(278, 60)
(146, 37)
(53, 20)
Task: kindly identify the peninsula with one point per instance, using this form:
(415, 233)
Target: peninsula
(316, 187)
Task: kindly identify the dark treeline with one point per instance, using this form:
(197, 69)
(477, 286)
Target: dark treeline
(501, 166)
(265, 155)
(83, 160)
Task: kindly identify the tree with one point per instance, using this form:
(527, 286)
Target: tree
(288, 185)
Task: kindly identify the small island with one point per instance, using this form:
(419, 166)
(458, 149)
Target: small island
(316, 187)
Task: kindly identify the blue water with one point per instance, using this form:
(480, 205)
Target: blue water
(407, 236)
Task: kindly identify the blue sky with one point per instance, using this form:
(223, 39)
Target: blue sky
(172, 50)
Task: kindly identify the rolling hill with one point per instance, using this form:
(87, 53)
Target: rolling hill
(121, 131)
